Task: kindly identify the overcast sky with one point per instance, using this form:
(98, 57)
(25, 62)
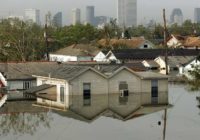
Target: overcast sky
(147, 9)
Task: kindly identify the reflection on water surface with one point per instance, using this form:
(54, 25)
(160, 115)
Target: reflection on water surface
(109, 121)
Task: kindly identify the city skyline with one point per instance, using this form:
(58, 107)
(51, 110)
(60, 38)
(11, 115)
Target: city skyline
(146, 11)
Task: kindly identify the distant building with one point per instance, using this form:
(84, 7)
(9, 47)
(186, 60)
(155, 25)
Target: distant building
(100, 21)
(197, 15)
(90, 19)
(32, 16)
(57, 19)
(176, 16)
(127, 13)
(76, 16)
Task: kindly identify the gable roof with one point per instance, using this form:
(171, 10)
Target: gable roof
(135, 42)
(188, 41)
(69, 72)
(151, 75)
(174, 61)
(78, 50)
(35, 89)
(25, 70)
(151, 54)
(151, 63)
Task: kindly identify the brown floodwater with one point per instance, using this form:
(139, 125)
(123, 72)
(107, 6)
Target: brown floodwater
(22, 121)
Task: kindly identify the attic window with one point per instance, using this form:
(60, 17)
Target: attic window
(145, 46)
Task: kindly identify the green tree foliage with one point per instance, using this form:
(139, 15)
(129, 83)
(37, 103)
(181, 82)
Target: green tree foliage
(195, 80)
(20, 40)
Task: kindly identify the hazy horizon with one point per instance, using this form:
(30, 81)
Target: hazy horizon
(146, 10)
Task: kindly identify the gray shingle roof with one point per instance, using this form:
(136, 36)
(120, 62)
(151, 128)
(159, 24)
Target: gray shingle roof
(33, 90)
(151, 75)
(25, 70)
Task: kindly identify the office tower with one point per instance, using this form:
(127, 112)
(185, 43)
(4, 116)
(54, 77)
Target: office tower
(197, 15)
(176, 16)
(90, 15)
(127, 13)
(32, 16)
(76, 16)
(57, 19)
(48, 19)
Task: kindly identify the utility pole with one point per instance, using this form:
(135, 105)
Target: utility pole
(165, 42)
(166, 65)
(46, 40)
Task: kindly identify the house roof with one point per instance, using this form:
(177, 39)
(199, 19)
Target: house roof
(25, 70)
(151, 54)
(69, 72)
(195, 58)
(51, 97)
(188, 41)
(35, 89)
(78, 50)
(135, 42)
(151, 75)
(192, 42)
(174, 61)
(152, 63)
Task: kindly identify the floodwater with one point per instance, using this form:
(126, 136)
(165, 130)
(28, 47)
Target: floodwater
(183, 122)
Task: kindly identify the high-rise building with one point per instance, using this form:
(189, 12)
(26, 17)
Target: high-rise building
(76, 16)
(127, 13)
(197, 15)
(176, 16)
(32, 16)
(57, 19)
(90, 19)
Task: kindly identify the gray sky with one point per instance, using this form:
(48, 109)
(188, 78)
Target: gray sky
(147, 9)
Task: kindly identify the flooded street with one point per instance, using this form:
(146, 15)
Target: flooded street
(183, 123)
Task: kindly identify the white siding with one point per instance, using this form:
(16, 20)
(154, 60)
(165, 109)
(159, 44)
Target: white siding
(62, 58)
(100, 57)
(134, 98)
(58, 84)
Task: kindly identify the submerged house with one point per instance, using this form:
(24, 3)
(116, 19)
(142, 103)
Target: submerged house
(19, 74)
(131, 55)
(78, 87)
(189, 66)
(174, 63)
(76, 52)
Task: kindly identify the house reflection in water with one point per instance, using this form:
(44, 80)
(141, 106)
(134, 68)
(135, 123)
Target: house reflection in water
(109, 90)
(22, 118)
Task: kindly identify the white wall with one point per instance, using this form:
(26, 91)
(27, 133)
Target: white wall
(62, 58)
(184, 70)
(58, 83)
(100, 57)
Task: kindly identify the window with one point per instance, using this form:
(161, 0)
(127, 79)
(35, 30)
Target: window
(154, 91)
(62, 93)
(86, 94)
(145, 46)
(123, 92)
(27, 84)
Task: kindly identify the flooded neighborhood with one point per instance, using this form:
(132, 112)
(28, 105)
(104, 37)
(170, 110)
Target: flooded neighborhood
(30, 122)
(99, 70)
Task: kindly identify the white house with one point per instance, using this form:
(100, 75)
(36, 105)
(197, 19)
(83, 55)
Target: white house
(186, 42)
(175, 42)
(183, 70)
(100, 57)
(75, 85)
(76, 52)
(174, 63)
